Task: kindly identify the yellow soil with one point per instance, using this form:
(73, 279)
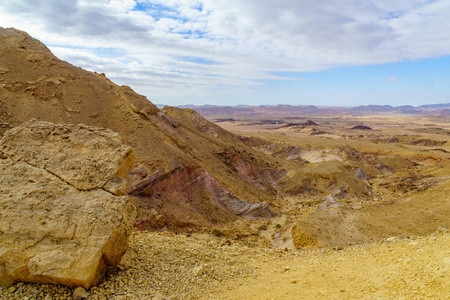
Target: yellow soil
(414, 269)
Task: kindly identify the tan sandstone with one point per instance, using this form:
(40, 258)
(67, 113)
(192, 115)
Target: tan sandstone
(57, 224)
(86, 157)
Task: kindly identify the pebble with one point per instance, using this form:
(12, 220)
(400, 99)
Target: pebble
(80, 294)
(198, 271)
(441, 230)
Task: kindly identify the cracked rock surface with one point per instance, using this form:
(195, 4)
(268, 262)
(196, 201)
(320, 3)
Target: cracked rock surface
(58, 221)
(85, 157)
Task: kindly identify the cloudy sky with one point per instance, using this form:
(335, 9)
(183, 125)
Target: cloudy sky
(229, 52)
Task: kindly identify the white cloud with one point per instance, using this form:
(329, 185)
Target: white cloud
(243, 41)
(391, 79)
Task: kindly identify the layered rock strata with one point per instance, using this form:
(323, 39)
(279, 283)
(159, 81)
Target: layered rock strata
(188, 183)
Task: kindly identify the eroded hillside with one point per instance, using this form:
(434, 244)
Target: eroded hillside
(390, 176)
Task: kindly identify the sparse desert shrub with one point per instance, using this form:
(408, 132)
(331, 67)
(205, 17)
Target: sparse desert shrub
(217, 232)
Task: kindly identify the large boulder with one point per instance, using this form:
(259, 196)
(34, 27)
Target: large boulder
(60, 220)
(85, 157)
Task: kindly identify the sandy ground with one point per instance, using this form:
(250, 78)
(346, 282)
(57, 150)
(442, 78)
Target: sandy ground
(410, 269)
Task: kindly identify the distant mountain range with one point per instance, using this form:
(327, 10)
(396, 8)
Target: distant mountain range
(441, 109)
(401, 109)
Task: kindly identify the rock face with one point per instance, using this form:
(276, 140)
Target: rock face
(190, 182)
(361, 175)
(59, 219)
(86, 157)
(328, 203)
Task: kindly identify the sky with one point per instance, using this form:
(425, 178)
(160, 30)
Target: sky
(252, 52)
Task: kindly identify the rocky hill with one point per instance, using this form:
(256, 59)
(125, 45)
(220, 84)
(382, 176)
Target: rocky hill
(188, 171)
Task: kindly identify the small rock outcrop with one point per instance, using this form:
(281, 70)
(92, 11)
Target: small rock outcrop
(361, 175)
(60, 219)
(310, 123)
(328, 203)
(361, 127)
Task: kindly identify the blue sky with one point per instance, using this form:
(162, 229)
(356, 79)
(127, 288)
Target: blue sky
(404, 83)
(254, 52)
